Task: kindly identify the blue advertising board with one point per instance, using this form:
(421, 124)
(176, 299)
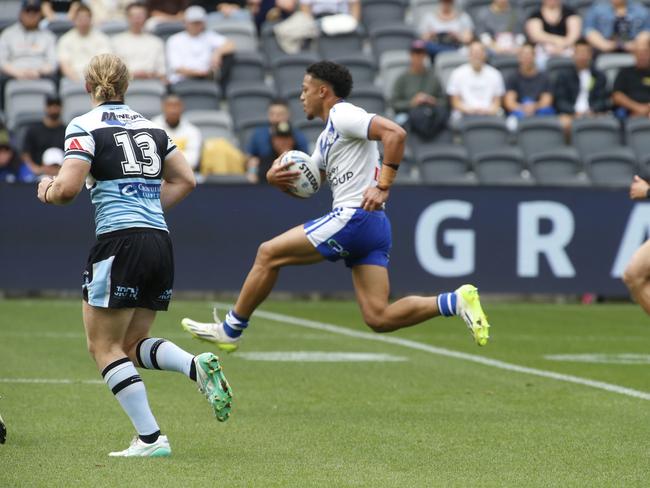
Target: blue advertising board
(504, 239)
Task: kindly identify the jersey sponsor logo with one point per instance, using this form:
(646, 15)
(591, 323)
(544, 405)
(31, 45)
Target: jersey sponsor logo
(126, 292)
(75, 145)
(335, 179)
(141, 190)
(111, 118)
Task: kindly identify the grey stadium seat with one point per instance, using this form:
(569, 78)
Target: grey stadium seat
(445, 164)
(242, 32)
(446, 62)
(198, 94)
(246, 128)
(483, 134)
(392, 37)
(75, 99)
(289, 71)
(295, 105)
(165, 30)
(637, 136)
(311, 129)
(270, 46)
(391, 65)
(369, 97)
(249, 102)
(503, 166)
(420, 8)
(473, 7)
(611, 64)
(558, 167)
(555, 65)
(212, 123)
(59, 26)
(144, 96)
(247, 67)
(538, 134)
(113, 27)
(362, 67)
(612, 168)
(375, 13)
(343, 44)
(507, 65)
(593, 135)
(26, 96)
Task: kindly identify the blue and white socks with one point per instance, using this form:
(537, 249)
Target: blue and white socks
(128, 388)
(155, 353)
(447, 304)
(234, 325)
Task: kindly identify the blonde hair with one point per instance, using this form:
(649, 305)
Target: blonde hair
(107, 77)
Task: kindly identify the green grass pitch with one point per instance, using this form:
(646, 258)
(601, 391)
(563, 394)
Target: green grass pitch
(426, 421)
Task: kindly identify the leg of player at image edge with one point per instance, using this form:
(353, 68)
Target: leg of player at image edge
(3, 431)
(463, 302)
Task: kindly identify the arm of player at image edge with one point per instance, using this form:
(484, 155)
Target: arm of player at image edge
(639, 189)
(66, 186)
(178, 180)
(393, 138)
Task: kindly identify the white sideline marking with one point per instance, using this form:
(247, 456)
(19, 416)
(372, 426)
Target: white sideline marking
(50, 381)
(495, 363)
(602, 358)
(319, 356)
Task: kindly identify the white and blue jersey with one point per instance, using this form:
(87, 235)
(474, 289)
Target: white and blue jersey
(351, 163)
(126, 153)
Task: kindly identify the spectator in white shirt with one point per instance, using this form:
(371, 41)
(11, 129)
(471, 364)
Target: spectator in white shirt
(185, 135)
(475, 88)
(143, 53)
(77, 46)
(197, 53)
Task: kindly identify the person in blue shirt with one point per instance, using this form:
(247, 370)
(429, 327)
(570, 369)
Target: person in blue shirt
(612, 26)
(12, 168)
(259, 147)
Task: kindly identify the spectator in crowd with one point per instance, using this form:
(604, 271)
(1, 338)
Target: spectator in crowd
(59, 9)
(632, 85)
(143, 53)
(322, 8)
(165, 11)
(259, 147)
(417, 92)
(197, 53)
(77, 46)
(282, 140)
(271, 10)
(39, 137)
(475, 88)
(612, 26)
(528, 92)
(580, 91)
(26, 51)
(185, 135)
(225, 9)
(500, 27)
(52, 160)
(12, 169)
(445, 28)
(554, 28)
(109, 10)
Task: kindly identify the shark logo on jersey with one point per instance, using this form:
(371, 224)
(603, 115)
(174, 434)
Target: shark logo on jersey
(328, 141)
(142, 190)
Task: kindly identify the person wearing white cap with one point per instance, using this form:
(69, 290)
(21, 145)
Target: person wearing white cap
(196, 53)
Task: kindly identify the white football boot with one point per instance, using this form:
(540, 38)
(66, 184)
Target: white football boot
(160, 448)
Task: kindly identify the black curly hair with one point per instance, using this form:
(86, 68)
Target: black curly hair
(336, 75)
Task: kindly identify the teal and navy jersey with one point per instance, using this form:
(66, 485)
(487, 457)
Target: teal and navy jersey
(126, 153)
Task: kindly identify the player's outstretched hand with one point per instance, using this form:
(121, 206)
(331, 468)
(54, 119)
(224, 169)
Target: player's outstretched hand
(374, 199)
(639, 188)
(280, 176)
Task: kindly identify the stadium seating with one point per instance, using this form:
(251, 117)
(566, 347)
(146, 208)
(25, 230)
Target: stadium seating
(248, 67)
(555, 65)
(593, 135)
(507, 65)
(502, 166)
(248, 102)
(539, 134)
(473, 7)
(246, 128)
(144, 96)
(165, 30)
(391, 65)
(637, 137)
(330, 47)
(295, 105)
(26, 97)
(482, 134)
(311, 129)
(392, 37)
(75, 99)
(242, 33)
(59, 26)
(198, 94)
(113, 27)
(612, 168)
(9, 10)
(445, 164)
(558, 166)
(361, 66)
(375, 13)
(289, 71)
(611, 64)
(212, 123)
(369, 97)
(446, 62)
(418, 9)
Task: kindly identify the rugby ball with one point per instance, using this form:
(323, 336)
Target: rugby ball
(308, 182)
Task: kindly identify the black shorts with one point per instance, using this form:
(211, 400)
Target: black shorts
(130, 268)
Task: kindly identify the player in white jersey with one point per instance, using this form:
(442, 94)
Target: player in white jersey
(134, 173)
(357, 230)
